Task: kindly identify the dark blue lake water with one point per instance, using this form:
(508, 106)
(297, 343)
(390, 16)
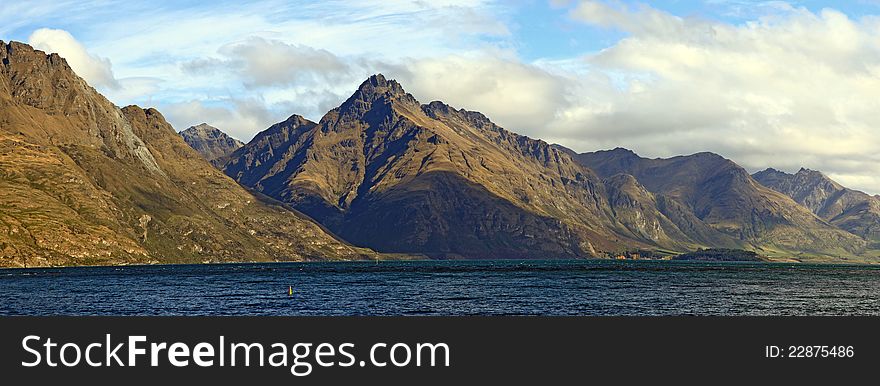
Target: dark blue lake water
(595, 287)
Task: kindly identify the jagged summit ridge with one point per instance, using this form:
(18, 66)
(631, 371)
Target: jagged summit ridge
(378, 91)
(378, 83)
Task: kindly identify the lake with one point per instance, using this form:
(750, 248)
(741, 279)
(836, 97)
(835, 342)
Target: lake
(582, 287)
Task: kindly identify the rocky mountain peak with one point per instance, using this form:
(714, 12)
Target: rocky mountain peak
(772, 171)
(297, 120)
(377, 91)
(811, 174)
(293, 124)
(22, 51)
(772, 178)
(377, 87)
(851, 210)
(623, 152)
(609, 162)
(47, 83)
(203, 130)
(378, 81)
(804, 177)
(803, 170)
(210, 142)
(43, 81)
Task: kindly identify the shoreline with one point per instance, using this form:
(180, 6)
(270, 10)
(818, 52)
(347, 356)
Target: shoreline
(792, 263)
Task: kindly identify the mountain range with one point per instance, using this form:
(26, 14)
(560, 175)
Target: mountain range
(387, 172)
(721, 203)
(384, 171)
(851, 210)
(381, 176)
(84, 182)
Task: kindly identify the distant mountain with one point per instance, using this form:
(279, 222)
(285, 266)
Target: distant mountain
(384, 171)
(723, 202)
(83, 182)
(210, 142)
(389, 173)
(851, 210)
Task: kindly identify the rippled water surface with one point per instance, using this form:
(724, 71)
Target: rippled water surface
(595, 287)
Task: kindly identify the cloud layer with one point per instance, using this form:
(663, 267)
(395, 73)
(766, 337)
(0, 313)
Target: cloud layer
(774, 85)
(793, 89)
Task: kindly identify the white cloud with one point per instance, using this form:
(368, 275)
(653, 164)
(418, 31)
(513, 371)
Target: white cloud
(791, 89)
(305, 57)
(239, 118)
(642, 20)
(94, 69)
(244, 117)
(260, 62)
(788, 88)
(513, 94)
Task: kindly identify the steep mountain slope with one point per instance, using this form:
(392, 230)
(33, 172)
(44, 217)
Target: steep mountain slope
(384, 171)
(724, 198)
(210, 142)
(636, 208)
(85, 182)
(851, 210)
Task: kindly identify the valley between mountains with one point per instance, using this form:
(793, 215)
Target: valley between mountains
(84, 182)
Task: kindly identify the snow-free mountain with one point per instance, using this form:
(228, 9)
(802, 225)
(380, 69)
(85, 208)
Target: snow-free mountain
(210, 142)
(387, 172)
(84, 182)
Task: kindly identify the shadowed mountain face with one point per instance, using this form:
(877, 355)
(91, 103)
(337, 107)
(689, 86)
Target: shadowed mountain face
(85, 182)
(210, 142)
(720, 201)
(851, 210)
(383, 170)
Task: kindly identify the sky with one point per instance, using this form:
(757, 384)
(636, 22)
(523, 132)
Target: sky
(782, 84)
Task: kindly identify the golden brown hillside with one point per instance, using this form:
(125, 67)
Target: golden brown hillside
(384, 171)
(84, 182)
